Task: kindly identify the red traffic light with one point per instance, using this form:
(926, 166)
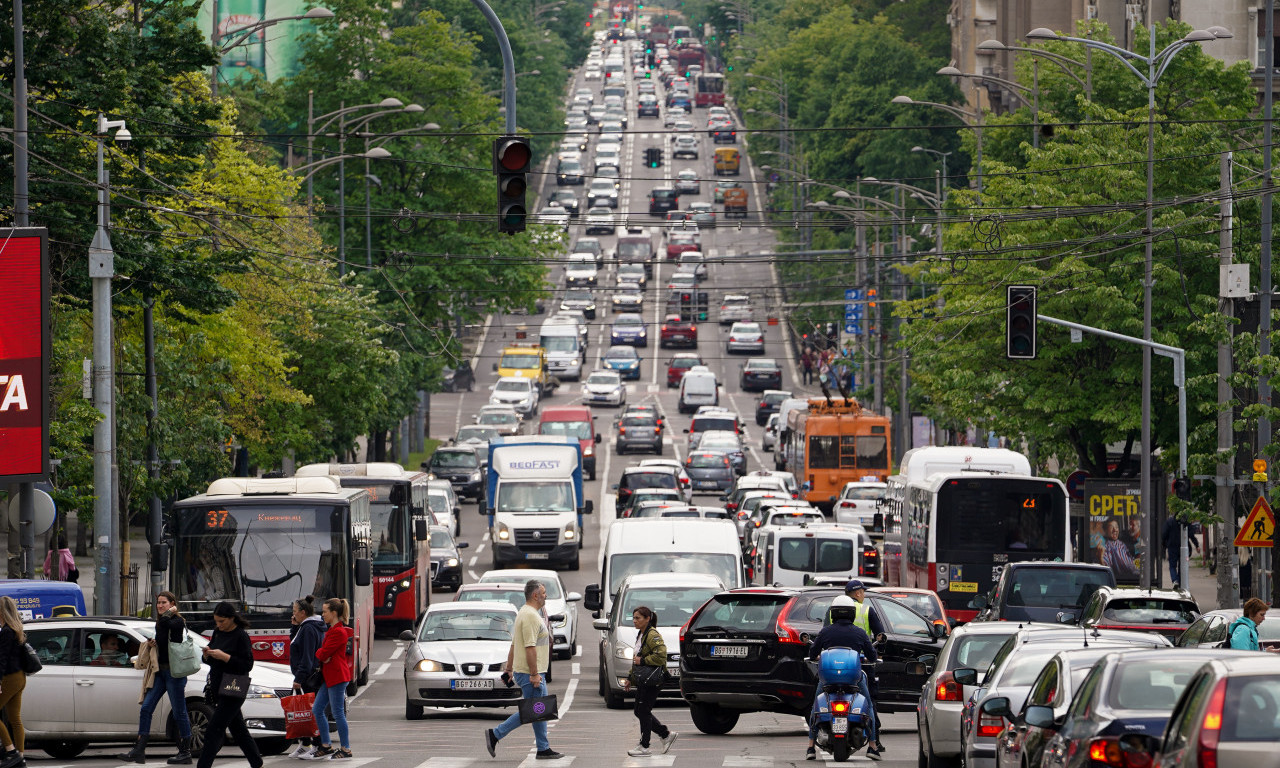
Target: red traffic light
(514, 154)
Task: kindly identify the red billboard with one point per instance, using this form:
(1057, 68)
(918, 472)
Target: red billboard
(24, 355)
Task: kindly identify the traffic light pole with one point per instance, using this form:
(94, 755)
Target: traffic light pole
(508, 63)
(1179, 357)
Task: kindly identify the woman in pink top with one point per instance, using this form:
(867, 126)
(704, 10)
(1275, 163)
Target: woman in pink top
(65, 563)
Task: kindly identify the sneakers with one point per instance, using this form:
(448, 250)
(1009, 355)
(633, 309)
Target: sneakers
(811, 754)
(548, 754)
(302, 752)
(639, 750)
(14, 759)
(872, 752)
(490, 741)
(341, 753)
(668, 741)
(322, 752)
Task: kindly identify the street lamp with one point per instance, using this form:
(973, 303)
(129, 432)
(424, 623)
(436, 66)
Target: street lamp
(1156, 64)
(377, 153)
(242, 34)
(971, 119)
(1016, 88)
(988, 47)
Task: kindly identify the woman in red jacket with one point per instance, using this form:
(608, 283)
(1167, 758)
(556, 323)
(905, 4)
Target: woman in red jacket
(335, 662)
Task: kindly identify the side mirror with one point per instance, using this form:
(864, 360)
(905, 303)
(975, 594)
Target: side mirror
(980, 602)
(966, 676)
(589, 507)
(462, 544)
(420, 530)
(363, 572)
(686, 431)
(495, 367)
(937, 631)
(1039, 716)
(556, 617)
(998, 706)
(1067, 617)
(591, 598)
(159, 557)
(599, 437)
(601, 624)
(573, 597)
(406, 636)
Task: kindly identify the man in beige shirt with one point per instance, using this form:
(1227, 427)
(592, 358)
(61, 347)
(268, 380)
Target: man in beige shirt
(530, 652)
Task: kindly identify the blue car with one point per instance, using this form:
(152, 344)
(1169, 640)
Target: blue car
(624, 360)
(629, 329)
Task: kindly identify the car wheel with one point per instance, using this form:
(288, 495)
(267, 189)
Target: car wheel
(199, 714)
(413, 711)
(573, 564)
(617, 448)
(272, 746)
(713, 719)
(61, 750)
(614, 700)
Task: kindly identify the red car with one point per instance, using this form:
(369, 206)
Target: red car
(679, 365)
(678, 333)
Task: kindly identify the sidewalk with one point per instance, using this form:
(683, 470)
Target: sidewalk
(1202, 585)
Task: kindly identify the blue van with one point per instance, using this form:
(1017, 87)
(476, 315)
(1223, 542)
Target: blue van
(38, 599)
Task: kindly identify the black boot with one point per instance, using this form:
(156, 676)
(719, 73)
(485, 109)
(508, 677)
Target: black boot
(13, 759)
(139, 752)
(184, 753)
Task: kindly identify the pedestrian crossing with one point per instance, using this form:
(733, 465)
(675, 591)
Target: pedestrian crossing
(657, 760)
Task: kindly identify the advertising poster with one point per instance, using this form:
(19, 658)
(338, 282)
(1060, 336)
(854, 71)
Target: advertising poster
(1114, 527)
(24, 355)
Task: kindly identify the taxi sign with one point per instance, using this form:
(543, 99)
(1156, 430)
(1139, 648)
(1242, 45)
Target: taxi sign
(1259, 528)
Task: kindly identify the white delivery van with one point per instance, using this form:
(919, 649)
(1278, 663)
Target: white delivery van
(666, 545)
(535, 500)
(698, 388)
(565, 348)
(794, 557)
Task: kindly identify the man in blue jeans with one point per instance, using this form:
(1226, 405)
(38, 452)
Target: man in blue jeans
(531, 636)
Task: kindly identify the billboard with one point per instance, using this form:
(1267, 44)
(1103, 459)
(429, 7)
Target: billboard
(1114, 534)
(24, 355)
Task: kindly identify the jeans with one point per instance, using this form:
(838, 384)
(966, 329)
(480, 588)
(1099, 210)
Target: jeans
(869, 715)
(513, 722)
(226, 716)
(646, 697)
(1175, 564)
(335, 694)
(176, 687)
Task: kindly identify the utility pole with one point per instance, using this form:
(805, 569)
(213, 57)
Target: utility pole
(1227, 563)
(860, 279)
(1263, 569)
(155, 520)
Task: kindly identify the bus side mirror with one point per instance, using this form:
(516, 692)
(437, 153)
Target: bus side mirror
(420, 529)
(159, 557)
(363, 572)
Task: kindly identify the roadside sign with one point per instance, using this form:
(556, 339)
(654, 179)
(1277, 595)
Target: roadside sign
(1075, 484)
(852, 328)
(1259, 528)
(852, 294)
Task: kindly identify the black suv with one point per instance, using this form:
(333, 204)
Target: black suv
(745, 651)
(1041, 591)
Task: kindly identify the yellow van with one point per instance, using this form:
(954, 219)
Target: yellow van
(524, 362)
(728, 161)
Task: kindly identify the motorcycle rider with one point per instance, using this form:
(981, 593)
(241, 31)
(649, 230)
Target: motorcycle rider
(843, 633)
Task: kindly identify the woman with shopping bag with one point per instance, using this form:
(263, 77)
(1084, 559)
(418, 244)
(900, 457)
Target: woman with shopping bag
(305, 638)
(171, 628)
(335, 664)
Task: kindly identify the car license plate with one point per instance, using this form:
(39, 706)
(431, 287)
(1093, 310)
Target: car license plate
(673, 671)
(471, 685)
(537, 556)
(839, 725)
(706, 484)
(729, 651)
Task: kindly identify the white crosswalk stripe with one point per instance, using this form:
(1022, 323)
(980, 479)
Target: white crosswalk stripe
(447, 762)
(533, 762)
(656, 760)
(747, 761)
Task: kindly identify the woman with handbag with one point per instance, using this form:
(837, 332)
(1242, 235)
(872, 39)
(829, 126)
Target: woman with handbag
(648, 672)
(305, 638)
(12, 682)
(335, 664)
(229, 655)
(170, 628)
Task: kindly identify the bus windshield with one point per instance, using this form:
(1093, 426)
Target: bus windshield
(261, 556)
(713, 83)
(979, 514)
(390, 534)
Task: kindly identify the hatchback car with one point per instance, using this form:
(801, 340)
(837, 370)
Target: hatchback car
(462, 466)
(1162, 611)
(702, 214)
(759, 374)
(679, 365)
(520, 394)
(456, 655)
(502, 418)
(1210, 631)
(624, 360)
(602, 193)
(629, 329)
(567, 199)
(745, 337)
(684, 145)
(710, 471)
(103, 686)
(745, 651)
(632, 273)
(664, 477)
(627, 297)
(651, 499)
(591, 245)
(580, 299)
(569, 173)
(561, 606)
(639, 432)
(769, 435)
(768, 404)
(687, 182)
(446, 559)
(600, 221)
(859, 502)
(726, 442)
(604, 388)
(475, 434)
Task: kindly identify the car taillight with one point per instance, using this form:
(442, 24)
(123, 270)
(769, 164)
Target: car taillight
(1211, 727)
(730, 506)
(990, 726)
(870, 565)
(622, 430)
(684, 480)
(664, 328)
(685, 628)
(787, 633)
(947, 689)
(1121, 752)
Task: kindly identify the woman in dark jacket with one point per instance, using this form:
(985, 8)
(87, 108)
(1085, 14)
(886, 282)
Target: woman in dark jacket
(305, 637)
(13, 681)
(229, 653)
(170, 628)
(650, 654)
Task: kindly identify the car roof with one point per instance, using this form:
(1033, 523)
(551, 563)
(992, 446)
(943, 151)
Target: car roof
(1163, 594)
(517, 574)
(686, 580)
(117, 621)
(462, 606)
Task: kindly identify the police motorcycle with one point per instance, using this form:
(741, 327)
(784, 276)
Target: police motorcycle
(840, 711)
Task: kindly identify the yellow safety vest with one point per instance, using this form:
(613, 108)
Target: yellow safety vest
(862, 617)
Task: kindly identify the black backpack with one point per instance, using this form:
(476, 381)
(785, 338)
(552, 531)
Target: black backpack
(1231, 628)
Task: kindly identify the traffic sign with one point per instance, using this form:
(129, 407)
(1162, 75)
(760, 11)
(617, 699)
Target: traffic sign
(852, 294)
(1075, 484)
(852, 328)
(1259, 529)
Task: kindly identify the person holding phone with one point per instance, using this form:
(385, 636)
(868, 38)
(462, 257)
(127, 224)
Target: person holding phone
(229, 652)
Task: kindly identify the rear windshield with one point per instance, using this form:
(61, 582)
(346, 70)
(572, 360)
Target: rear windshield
(748, 613)
(1055, 587)
(724, 567)
(1153, 685)
(664, 194)
(707, 424)
(783, 519)
(639, 421)
(976, 651)
(651, 480)
(815, 555)
(1132, 610)
(671, 607)
(864, 494)
(707, 461)
(1250, 711)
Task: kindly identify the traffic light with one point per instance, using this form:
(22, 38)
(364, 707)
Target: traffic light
(653, 157)
(512, 157)
(1182, 488)
(1020, 326)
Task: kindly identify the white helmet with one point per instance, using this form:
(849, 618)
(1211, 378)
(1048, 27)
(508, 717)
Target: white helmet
(843, 607)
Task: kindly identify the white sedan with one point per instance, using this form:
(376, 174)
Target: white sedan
(455, 657)
(560, 604)
(604, 388)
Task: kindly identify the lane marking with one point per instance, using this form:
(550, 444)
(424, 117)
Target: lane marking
(575, 669)
(397, 653)
(363, 690)
(382, 669)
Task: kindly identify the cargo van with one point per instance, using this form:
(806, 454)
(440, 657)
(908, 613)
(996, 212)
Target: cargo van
(40, 599)
(728, 161)
(665, 545)
(565, 348)
(635, 246)
(577, 422)
(698, 388)
(794, 557)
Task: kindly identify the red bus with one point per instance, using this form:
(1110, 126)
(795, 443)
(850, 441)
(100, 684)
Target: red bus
(709, 90)
(262, 544)
(400, 518)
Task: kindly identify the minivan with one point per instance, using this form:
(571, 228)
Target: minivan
(794, 557)
(663, 199)
(565, 348)
(577, 422)
(698, 388)
(665, 545)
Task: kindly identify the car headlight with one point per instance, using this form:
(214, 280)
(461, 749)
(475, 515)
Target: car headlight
(428, 665)
(643, 334)
(560, 623)
(591, 307)
(570, 533)
(588, 451)
(624, 651)
(261, 692)
(475, 477)
(504, 533)
(451, 562)
(406, 583)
